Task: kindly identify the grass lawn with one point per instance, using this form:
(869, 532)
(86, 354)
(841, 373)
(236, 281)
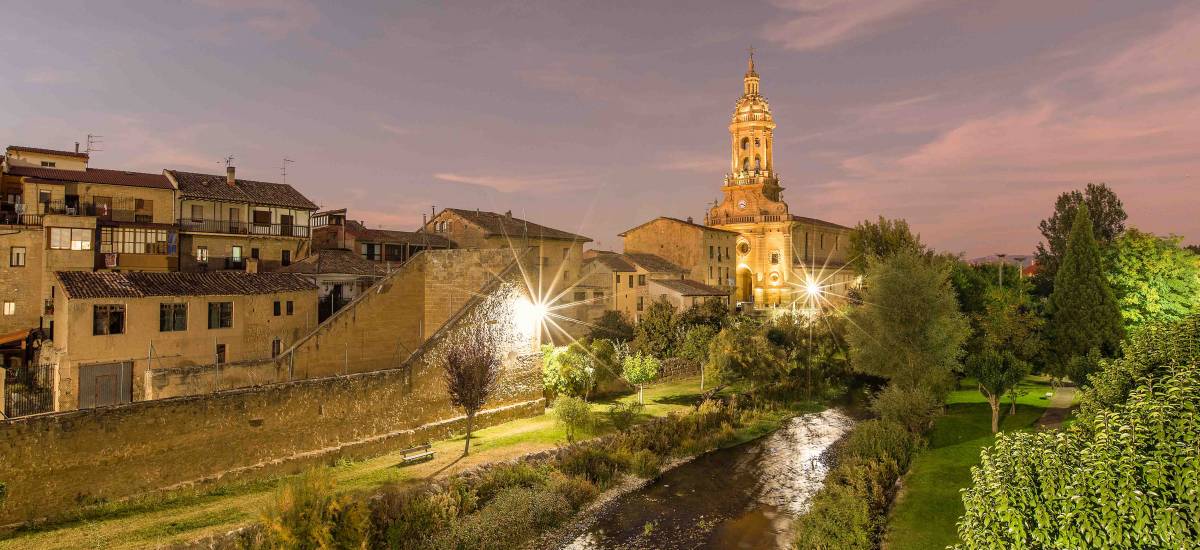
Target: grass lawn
(162, 519)
(924, 514)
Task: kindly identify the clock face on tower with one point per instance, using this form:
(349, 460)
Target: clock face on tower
(742, 204)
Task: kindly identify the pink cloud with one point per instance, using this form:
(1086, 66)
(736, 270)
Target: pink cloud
(821, 23)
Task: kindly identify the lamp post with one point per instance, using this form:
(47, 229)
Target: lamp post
(1000, 269)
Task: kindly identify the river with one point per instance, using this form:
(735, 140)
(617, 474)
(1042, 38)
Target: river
(743, 497)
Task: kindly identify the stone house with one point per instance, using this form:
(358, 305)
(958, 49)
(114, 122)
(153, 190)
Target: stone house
(228, 223)
(117, 329)
(635, 280)
(706, 253)
(334, 230)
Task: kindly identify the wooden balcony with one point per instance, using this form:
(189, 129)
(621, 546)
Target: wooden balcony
(230, 227)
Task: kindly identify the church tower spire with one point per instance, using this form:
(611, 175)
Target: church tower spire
(751, 131)
(750, 81)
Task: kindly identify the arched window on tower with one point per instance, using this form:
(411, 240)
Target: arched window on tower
(745, 143)
(746, 164)
(757, 164)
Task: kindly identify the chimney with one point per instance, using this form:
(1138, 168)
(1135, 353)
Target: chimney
(689, 219)
(76, 146)
(508, 214)
(229, 179)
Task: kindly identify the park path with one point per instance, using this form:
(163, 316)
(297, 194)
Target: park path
(1060, 407)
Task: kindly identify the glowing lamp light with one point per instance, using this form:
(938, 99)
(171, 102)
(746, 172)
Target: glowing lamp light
(812, 289)
(529, 315)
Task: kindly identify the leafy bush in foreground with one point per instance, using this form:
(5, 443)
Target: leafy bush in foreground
(308, 513)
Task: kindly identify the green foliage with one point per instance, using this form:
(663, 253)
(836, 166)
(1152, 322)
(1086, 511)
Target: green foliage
(644, 463)
(1122, 476)
(1153, 277)
(880, 440)
(593, 463)
(1083, 310)
(1150, 352)
(573, 413)
(655, 333)
(813, 347)
(1108, 221)
(837, 519)
(913, 408)
(622, 414)
(409, 518)
(639, 369)
(1008, 322)
(308, 513)
(505, 475)
(881, 240)
(909, 329)
(576, 491)
(568, 370)
(612, 325)
(515, 516)
(996, 373)
(971, 285)
(695, 343)
(3, 492)
(743, 352)
(711, 313)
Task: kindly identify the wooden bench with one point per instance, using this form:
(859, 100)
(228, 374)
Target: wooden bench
(419, 453)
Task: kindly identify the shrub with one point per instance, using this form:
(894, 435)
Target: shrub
(912, 408)
(576, 490)
(409, 518)
(645, 463)
(308, 513)
(597, 465)
(3, 492)
(837, 519)
(623, 414)
(516, 515)
(880, 440)
(573, 413)
(504, 476)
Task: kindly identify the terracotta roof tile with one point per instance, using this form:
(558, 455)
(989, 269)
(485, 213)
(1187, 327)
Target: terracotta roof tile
(677, 220)
(109, 284)
(821, 223)
(93, 175)
(48, 151)
(391, 236)
(337, 261)
(209, 186)
(652, 263)
(504, 224)
(688, 287)
(615, 262)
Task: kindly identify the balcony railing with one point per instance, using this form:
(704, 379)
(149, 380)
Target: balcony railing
(243, 228)
(747, 219)
(13, 218)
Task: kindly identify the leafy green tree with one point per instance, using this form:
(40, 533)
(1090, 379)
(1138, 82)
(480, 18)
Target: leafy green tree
(1122, 475)
(742, 352)
(568, 370)
(1153, 277)
(1008, 322)
(1108, 221)
(996, 374)
(656, 331)
(1083, 310)
(573, 413)
(612, 325)
(695, 343)
(640, 369)
(880, 240)
(908, 329)
(814, 346)
(712, 313)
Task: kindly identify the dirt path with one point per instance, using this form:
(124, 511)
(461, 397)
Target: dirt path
(1060, 407)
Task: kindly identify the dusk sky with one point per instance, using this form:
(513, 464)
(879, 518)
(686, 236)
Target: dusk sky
(966, 118)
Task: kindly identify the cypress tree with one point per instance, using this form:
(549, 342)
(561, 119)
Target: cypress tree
(1083, 310)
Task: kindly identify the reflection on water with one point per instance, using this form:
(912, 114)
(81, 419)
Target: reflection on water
(741, 497)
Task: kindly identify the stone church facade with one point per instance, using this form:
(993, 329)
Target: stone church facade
(782, 260)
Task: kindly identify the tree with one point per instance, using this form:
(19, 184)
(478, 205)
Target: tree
(573, 413)
(640, 369)
(1083, 310)
(909, 329)
(880, 240)
(1153, 277)
(568, 370)
(995, 374)
(1008, 322)
(1108, 221)
(741, 351)
(655, 332)
(711, 313)
(810, 344)
(612, 325)
(695, 343)
(1122, 475)
(471, 370)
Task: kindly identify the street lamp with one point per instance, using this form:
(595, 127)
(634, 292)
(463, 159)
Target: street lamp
(1000, 269)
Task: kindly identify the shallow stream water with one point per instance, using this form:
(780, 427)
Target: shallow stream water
(743, 497)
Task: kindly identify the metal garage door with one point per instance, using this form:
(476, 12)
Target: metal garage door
(105, 384)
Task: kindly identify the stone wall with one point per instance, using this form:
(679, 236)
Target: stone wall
(52, 463)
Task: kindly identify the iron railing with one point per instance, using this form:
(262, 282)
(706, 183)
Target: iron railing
(28, 389)
(234, 227)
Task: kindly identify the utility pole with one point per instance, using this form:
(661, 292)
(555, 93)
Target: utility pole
(1000, 269)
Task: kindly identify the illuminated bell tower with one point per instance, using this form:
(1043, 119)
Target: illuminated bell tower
(751, 187)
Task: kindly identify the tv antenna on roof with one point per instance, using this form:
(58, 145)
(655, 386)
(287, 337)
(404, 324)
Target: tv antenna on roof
(93, 143)
(228, 161)
(283, 168)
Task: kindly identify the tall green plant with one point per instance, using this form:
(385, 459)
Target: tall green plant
(640, 369)
(1083, 310)
(996, 373)
(1107, 215)
(307, 513)
(909, 328)
(880, 240)
(1153, 277)
(656, 331)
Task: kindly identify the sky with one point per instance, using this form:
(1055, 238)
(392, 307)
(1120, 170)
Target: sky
(965, 118)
